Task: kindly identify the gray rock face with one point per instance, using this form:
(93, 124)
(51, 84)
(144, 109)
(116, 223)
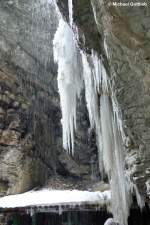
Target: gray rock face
(27, 87)
(81, 11)
(31, 151)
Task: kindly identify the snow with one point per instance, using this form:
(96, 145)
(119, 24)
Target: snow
(47, 197)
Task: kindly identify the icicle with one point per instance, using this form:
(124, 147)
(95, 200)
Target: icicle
(113, 161)
(97, 71)
(92, 71)
(70, 8)
(94, 13)
(90, 92)
(140, 200)
(69, 80)
(134, 190)
(54, 2)
(106, 47)
(108, 126)
(60, 210)
(107, 132)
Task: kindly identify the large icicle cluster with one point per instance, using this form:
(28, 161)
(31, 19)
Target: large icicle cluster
(104, 116)
(102, 108)
(113, 161)
(90, 91)
(94, 75)
(67, 56)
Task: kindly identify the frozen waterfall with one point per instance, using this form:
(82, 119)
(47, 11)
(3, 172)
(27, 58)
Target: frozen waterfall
(102, 108)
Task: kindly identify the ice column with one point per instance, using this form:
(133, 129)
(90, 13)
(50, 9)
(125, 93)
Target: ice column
(67, 56)
(113, 151)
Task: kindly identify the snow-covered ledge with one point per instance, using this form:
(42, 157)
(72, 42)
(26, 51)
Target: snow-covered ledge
(47, 197)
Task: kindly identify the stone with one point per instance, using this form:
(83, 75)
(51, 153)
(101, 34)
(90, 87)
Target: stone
(9, 137)
(14, 125)
(2, 124)
(15, 104)
(24, 106)
(12, 115)
(4, 99)
(2, 113)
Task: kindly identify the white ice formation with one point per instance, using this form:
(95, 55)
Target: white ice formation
(66, 54)
(70, 8)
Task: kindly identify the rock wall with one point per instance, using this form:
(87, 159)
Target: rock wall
(27, 111)
(31, 153)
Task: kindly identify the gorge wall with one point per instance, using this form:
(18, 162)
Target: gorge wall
(31, 153)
